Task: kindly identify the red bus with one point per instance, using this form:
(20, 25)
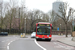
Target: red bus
(43, 31)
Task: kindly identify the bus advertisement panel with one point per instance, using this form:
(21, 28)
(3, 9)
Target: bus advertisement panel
(43, 31)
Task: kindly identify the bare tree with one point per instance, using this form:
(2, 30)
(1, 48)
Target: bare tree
(1, 13)
(11, 12)
(6, 15)
(63, 11)
(72, 20)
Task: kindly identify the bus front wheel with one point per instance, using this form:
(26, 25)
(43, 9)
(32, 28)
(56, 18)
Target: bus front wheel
(37, 39)
(49, 39)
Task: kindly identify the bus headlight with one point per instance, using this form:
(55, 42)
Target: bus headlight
(49, 37)
(37, 37)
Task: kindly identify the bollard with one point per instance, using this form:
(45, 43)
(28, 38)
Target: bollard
(61, 33)
(21, 35)
(58, 33)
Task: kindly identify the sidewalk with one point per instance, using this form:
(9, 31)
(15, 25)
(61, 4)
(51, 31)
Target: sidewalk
(67, 40)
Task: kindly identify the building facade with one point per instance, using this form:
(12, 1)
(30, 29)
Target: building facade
(55, 7)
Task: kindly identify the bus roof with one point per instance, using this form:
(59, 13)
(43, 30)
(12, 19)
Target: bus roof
(43, 23)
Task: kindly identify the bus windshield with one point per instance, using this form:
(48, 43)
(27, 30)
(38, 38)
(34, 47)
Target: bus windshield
(43, 30)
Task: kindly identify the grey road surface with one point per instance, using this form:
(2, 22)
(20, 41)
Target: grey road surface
(24, 44)
(16, 43)
(13, 42)
(4, 40)
(55, 45)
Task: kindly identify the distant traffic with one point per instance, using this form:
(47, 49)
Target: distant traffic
(4, 33)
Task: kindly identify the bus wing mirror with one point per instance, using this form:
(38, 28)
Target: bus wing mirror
(35, 30)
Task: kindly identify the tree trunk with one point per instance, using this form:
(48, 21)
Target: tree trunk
(10, 23)
(66, 29)
(71, 29)
(10, 28)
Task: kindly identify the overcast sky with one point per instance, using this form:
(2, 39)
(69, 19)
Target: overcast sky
(44, 5)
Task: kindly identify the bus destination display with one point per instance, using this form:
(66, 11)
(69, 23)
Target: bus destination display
(43, 25)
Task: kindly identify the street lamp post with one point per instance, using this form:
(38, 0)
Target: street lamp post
(19, 20)
(60, 27)
(73, 20)
(25, 25)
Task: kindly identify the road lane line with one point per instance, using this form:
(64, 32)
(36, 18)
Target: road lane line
(39, 45)
(7, 47)
(9, 43)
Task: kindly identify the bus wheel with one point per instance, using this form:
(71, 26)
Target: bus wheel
(49, 40)
(37, 39)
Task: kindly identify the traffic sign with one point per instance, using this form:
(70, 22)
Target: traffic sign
(57, 28)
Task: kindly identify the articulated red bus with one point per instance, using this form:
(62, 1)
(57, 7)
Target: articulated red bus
(43, 31)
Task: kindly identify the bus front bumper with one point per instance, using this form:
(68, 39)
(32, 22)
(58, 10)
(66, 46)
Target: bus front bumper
(44, 38)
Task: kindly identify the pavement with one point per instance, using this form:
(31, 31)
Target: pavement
(67, 40)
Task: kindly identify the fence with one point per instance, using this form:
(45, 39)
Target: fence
(13, 31)
(57, 32)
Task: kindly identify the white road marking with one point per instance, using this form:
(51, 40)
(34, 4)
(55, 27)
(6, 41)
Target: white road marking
(7, 47)
(39, 45)
(9, 43)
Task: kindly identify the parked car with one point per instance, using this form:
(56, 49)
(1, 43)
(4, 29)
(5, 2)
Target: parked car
(4, 33)
(33, 34)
